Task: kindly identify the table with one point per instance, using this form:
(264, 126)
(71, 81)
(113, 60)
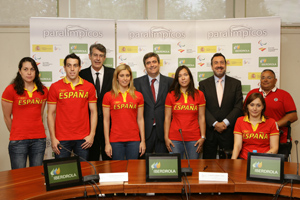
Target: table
(28, 183)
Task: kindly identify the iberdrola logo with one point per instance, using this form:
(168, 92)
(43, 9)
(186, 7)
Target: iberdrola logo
(55, 171)
(257, 165)
(155, 165)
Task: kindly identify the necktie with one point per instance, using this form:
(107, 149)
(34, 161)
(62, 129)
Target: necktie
(152, 88)
(220, 91)
(98, 84)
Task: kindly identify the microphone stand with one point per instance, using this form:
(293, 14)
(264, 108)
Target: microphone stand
(293, 177)
(94, 177)
(186, 171)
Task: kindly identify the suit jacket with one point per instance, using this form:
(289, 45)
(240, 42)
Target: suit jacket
(106, 85)
(154, 109)
(231, 106)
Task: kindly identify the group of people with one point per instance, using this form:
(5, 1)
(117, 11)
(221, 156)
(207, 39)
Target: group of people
(101, 113)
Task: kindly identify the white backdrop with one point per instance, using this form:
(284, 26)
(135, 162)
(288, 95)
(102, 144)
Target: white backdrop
(52, 39)
(249, 45)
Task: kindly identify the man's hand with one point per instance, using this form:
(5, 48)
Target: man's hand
(220, 127)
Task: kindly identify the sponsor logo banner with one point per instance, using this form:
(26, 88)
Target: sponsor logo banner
(268, 61)
(189, 62)
(42, 48)
(239, 48)
(204, 75)
(78, 48)
(128, 49)
(46, 76)
(162, 48)
(234, 62)
(207, 49)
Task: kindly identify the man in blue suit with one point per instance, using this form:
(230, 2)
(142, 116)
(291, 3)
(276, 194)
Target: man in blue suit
(154, 87)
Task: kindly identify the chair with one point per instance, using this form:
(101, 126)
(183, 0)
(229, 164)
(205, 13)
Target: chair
(285, 148)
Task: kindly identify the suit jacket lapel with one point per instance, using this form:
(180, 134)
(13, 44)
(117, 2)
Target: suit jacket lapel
(212, 84)
(162, 88)
(226, 89)
(105, 81)
(89, 76)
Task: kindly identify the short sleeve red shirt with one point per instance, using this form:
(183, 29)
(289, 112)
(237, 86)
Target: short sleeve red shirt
(185, 116)
(27, 118)
(72, 114)
(255, 138)
(123, 112)
(278, 104)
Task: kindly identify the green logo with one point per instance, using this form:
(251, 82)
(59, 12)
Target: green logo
(265, 167)
(162, 48)
(245, 89)
(189, 62)
(109, 62)
(78, 48)
(134, 75)
(163, 167)
(241, 48)
(46, 76)
(63, 172)
(268, 61)
(204, 75)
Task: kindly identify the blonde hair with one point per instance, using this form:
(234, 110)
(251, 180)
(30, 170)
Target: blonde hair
(115, 84)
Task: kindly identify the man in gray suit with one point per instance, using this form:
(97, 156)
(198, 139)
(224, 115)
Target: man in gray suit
(224, 103)
(154, 87)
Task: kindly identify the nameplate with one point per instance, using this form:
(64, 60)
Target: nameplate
(210, 176)
(113, 177)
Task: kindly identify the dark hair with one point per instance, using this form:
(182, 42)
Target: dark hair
(216, 55)
(19, 82)
(176, 87)
(149, 55)
(251, 98)
(269, 70)
(98, 46)
(73, 56)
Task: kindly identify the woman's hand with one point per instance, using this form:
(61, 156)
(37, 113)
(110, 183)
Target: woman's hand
(142, 148)
(108, 150)
(169, 143)
(199, 143)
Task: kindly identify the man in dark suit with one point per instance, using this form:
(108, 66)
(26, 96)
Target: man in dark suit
(101, 77)
(224, 103)
(154, 102)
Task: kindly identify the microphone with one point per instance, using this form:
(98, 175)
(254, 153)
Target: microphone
(94, 177)
(293, 177)
(187, 171)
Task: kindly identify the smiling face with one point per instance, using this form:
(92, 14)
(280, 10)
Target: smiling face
(184, 78)
(267, 81)
(124, 79)
(255, 108)
(72, 69)
(218, 66)
(27, 72)
(97, 58)
(152, 66)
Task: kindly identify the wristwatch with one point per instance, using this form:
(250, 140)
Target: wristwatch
(203, 137)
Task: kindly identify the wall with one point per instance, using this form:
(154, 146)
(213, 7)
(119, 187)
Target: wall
(15, 44)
